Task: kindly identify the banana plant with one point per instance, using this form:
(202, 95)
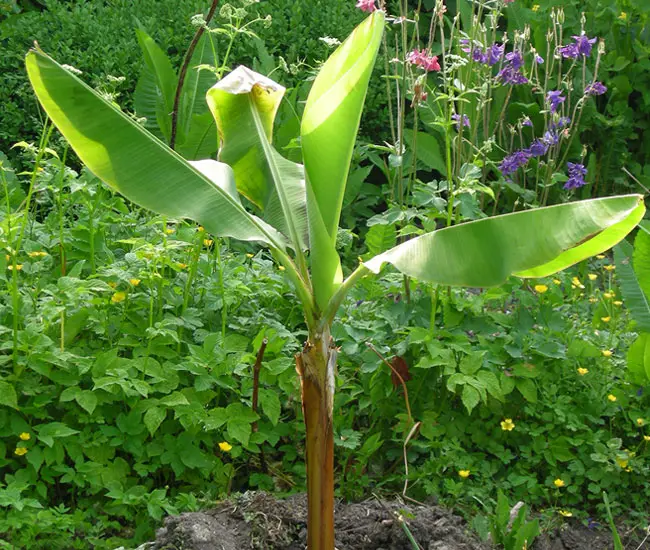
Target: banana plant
(297, 209)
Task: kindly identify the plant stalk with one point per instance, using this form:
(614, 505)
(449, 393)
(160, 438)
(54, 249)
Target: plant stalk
(315, 366)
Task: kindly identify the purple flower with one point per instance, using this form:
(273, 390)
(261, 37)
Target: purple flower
(510, 164)
(577, 173)
(527, 122)
(539, 59)
(537, 148)
(584, 44)
(595, 88)
(510, 75)
(554, 99)
(456, 119)
(551, 138)
(494, 54)
(515, 59)
(479, 56)
(569, 52)
(561, 122)
(464, 42)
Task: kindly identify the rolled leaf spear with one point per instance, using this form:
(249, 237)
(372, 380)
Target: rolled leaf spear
(299, 209)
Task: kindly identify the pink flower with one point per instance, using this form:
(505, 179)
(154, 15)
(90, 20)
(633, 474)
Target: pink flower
(421, 59)
(366, 5)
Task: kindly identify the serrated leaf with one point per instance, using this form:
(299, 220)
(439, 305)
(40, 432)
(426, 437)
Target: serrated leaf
(175, 399)
(491, 383)
(153, 418)
(87, 400)
(8, 395)
(528, 389)
(380, 238)
(270, 405)
(470, 398)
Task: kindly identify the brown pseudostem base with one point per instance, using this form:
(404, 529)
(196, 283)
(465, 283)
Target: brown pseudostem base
(315, 366)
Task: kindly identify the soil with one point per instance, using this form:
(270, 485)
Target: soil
(260, 521)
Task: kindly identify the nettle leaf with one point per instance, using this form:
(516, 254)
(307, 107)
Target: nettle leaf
(8, 395)
(153, 418)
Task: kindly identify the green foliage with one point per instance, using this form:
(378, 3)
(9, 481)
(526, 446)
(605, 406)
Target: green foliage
(509, 528)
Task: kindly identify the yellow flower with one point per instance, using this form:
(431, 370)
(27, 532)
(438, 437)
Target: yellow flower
(507, 425)
(25, 436)
(607, 352)
(281, 267)
(134, 282)
(37, 254)
(557, 281)
(112, 285)
(646, 438)
(609, 267)
(464, 473)
(565, 513)
(540, 289)
(623, 16)
(618, 303)
(593, 300)
(612, 397)
(181, 265)
(201, 228)
(592, 276)
(576, 282)
(249, 255)
(622, 462)
(7, 257)
(207, 242)
(225, 446)
(606, 319)
(608, 295)
(170, 230)
(601, 256)
(535, 7)
(20, 451)
(582, 371)
(559, 483)
(118, 297)
(640, 422)
(19, 267)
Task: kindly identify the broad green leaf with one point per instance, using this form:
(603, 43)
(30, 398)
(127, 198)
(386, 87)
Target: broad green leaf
(427, 150)
(470, 398)
(87, 400)
(165, 80)
(380, 238)
(270, 405)
(244, 104)
(136, 164)
(635, 299)
(328, 132)
(641, 260)
(8, 395)
(200, 141)
(528, 389)
(638, 359)
(145, 102)
(534, 243)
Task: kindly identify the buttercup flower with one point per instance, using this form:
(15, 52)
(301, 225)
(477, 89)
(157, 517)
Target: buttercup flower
(507, 425)
(118, 297)
(25, 436)
(557, 281)
(207, 242)
(593, 300)
(612, 398)
(592, 276)
(582, 371)
(366, 5)
(646, 438)
(609, 295)
(20, 451)
(540, 289)
(535, 7)
(225, 446)
(609, 267)
(37, 254)
(618, 303)
(607, 353)
(565, 513)
(559, 483)
(622, 462)
(600, 257)
(640, 422)
(606, 319)
(576, 282)
(181, 265)
(464, 473)
(19, 267)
